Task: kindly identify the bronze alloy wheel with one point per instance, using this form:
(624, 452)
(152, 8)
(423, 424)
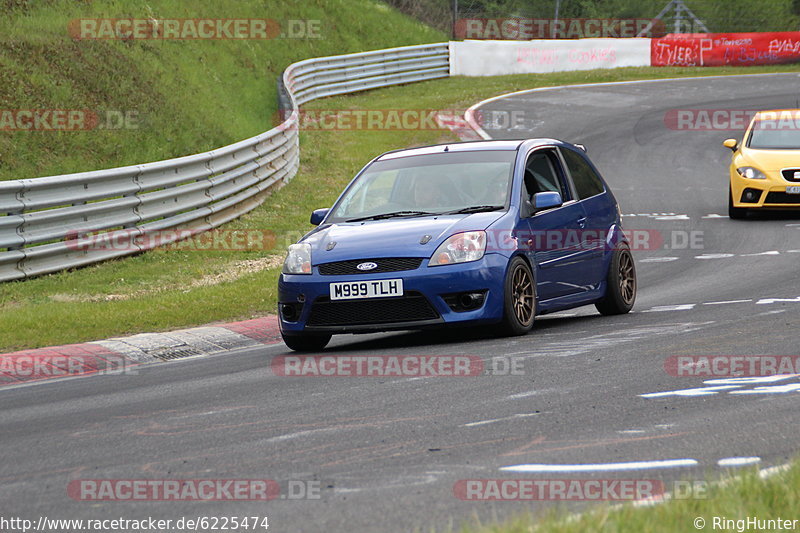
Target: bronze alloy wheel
(620, 283)
(627, 278)
(522, 287)
(519, 298)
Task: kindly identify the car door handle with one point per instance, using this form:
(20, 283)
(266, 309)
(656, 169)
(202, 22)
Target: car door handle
(582, 222)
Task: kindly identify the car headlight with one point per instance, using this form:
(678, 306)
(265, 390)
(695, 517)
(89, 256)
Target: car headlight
(298, 260)
(751, 173)
(460, 248)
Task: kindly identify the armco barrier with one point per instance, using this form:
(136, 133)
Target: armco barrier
(42, 218)
(719, 49)
(492, 58)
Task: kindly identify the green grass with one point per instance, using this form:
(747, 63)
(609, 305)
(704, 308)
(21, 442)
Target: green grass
(189, 95)
(733, 498)
(168, 289)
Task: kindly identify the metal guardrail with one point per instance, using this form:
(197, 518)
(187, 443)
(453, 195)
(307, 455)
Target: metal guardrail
(43, 221)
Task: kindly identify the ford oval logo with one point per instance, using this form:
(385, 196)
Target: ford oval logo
(367, 266)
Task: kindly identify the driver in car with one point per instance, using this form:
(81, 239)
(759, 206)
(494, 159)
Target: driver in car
(428, 194)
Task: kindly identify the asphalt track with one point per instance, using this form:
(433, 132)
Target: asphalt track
(387, 452)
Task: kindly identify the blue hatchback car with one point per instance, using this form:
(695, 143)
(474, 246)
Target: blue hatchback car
(475, 233)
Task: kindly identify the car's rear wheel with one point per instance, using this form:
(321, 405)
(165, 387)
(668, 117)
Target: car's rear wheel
(519, 307)
(621, 284)
(736, 213)
(305, 343)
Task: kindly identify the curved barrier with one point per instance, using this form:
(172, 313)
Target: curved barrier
(44, 221)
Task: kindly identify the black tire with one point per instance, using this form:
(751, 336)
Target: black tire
(519, 299)
(735, 213)
(621, 284)
(306, 343)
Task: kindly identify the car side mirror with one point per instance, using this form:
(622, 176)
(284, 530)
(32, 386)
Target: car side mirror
(318, 215)
(546, 200)
(733, 144)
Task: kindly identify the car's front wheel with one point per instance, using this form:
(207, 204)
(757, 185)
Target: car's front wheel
(519, 308)
(621, 284)
(735, 213)
(305, 343)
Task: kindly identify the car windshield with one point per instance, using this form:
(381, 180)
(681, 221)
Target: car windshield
(420, 185)
(779, 133)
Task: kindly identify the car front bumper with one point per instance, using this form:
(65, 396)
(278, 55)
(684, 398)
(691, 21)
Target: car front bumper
(767, 193)
(424, 304)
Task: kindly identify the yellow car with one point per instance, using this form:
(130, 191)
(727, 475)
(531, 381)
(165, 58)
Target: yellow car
(765, 170)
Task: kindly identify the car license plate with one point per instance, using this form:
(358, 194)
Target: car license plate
(381, 288)
(795, 189)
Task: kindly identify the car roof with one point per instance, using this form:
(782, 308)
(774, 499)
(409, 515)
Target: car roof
(470, 146)
(777, 113)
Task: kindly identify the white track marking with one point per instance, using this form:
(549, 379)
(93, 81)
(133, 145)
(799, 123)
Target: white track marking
(658, 259)
(749, 380)
(714, 256)
(715, 386)
(505, 418)
(774, 389)
(663, 308)
(521, 395)
(698, 391)
(714, 215)
(738, 461)
(765, 301)
(600, 467)
(771, 252)
(764, 473)
(775, 312)
(726, 302)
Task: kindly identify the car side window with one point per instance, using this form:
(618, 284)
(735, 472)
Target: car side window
(542, 174)
(587, 182)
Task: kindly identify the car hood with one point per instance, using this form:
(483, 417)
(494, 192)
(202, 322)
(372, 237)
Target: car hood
(397, 237)
(770, 160)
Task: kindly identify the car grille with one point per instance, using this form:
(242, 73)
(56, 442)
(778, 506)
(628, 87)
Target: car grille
(411, 307)
(788, 174)
(782, 198)
(385, 264)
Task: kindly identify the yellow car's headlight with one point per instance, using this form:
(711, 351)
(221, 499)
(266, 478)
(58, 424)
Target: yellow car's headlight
(751, 173)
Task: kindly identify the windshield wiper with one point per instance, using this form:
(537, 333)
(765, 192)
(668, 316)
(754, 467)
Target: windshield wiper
(475, 209)
(393, 214)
